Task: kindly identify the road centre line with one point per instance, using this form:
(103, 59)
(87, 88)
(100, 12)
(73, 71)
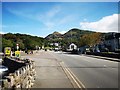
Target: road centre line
(75, 79)
(68, 76)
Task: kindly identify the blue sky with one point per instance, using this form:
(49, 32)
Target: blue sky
(43, 18)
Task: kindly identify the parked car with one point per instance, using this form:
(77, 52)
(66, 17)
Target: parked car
(3, 71)
(56, 49)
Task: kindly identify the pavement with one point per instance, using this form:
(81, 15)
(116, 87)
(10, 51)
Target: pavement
(49, 73)
(105, 58)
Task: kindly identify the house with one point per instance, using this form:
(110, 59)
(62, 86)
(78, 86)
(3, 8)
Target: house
(112, 41)
(82, 50)
(72, 47)
(55, 46)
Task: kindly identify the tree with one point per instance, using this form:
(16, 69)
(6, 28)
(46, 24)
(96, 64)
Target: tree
(6, 43)
(20, 43)
(24, 41)
(90, 39)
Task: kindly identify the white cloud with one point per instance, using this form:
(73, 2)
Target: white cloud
(106, 24)
(21, 13)
(2, 26)
(50, 20)
(85, 19)
(66, 19)
(52, 12)
(62, 32)
(47, 18)
(49, 24)
(1, 32)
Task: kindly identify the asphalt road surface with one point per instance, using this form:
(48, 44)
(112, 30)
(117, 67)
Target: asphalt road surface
(91, 72)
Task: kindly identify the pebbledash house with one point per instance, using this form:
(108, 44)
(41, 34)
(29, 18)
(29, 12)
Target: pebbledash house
(112, 41)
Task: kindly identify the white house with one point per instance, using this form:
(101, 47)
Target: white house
(72, 46)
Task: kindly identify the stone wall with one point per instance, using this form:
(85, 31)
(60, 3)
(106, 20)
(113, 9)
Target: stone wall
(21, 73)
(110, 55)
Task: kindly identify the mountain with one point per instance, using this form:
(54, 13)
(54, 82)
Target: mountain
(55, 35)
(73, 34)
(76, 33)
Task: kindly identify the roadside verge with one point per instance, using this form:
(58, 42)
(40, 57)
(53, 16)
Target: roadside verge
(106, 58)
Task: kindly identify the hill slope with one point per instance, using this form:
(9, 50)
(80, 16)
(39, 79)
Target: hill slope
(25, 41)
(54, 35)
(72, 35)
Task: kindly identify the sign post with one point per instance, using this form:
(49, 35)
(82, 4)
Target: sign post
(17, 45)
(7, 51)
(17, 53)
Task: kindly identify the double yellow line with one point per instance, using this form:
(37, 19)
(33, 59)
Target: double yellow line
(74, 80)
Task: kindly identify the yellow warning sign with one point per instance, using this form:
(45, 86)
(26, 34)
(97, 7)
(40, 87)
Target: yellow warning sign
(7, 51)
(17, 53)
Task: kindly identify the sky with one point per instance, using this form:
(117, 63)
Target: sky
(43, 18)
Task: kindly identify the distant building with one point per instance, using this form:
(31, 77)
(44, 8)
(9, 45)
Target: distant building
(112, 41)
(72, 46)
(56, 44)
(82, 49)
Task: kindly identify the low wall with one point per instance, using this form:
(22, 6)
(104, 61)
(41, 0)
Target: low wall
(111, 55)
(21, 73)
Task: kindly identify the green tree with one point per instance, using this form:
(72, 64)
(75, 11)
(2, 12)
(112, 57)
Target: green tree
(21, 44)
(6, 43)
(90, 39)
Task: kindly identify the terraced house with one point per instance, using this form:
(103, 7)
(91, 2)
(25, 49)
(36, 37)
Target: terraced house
(112, 41)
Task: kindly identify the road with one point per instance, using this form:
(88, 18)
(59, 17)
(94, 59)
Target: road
(91, 72)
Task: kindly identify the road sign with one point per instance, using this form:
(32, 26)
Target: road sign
(7, 51)
(17, 53)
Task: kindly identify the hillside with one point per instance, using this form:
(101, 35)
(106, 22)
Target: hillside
(72, 35)
(54, 35)
(25, 41)
(76, 33)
